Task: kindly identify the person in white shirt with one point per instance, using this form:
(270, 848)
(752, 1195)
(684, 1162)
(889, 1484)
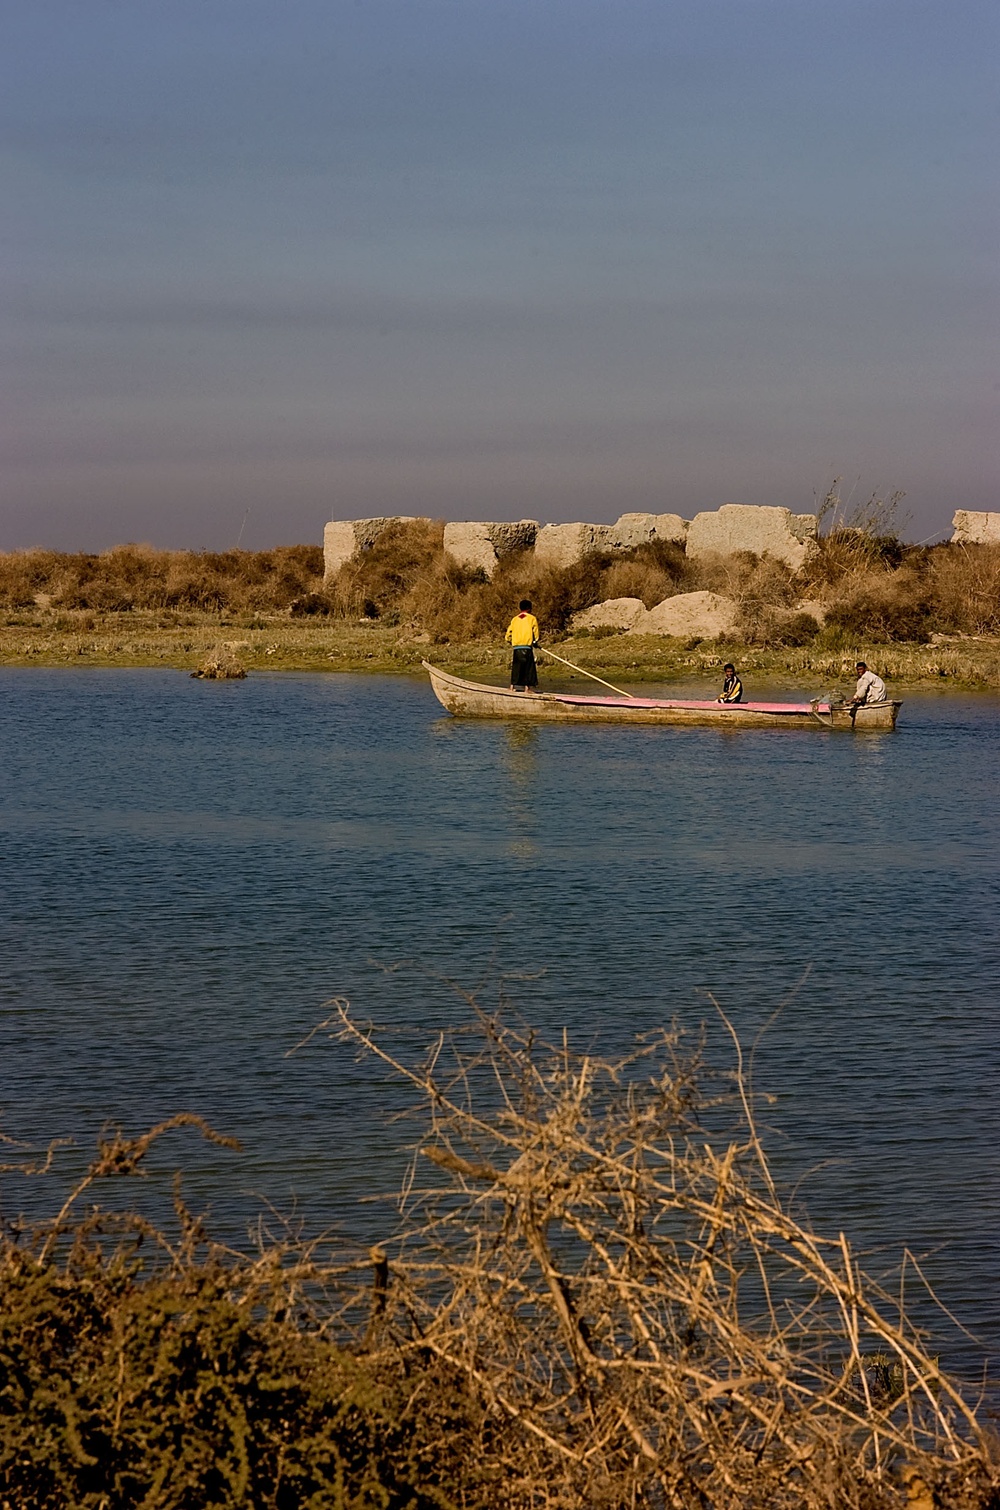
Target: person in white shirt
(870, 688)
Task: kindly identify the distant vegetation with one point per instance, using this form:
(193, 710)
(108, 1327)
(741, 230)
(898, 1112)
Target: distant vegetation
(865, 587)
(134, 577)
(595, 1296)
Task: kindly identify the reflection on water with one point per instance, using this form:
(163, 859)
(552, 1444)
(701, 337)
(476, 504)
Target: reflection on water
(190, 869)
(521, 772)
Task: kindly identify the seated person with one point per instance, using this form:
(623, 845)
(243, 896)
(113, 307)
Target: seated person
(732, 687)
(870, 688)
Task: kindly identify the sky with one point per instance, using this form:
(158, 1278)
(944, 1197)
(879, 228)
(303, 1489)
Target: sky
(267, 264)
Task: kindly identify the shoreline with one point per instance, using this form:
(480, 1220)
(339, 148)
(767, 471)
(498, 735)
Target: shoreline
(282, 644)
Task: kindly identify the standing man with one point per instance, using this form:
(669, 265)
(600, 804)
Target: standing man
(870, 688)
(732, 687)
(523, 635)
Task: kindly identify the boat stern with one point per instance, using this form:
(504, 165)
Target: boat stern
(868, 716)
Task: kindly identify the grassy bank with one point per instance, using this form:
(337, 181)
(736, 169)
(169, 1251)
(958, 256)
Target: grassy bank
(594, 1295)
(277, 642)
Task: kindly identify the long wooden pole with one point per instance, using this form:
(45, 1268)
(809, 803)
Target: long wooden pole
(545, 649)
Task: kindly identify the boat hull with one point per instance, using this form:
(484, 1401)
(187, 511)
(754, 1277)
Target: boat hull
(477, 700)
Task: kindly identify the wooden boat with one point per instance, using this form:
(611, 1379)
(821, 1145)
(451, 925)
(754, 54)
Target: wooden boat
(476, 700)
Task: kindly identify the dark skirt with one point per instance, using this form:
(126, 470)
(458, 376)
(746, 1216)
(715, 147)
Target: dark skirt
(522, 667)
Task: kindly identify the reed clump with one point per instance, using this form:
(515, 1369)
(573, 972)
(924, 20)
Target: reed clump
(222, 664)
(593, 1294)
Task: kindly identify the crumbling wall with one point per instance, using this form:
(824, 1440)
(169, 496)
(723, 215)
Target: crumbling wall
(631, 530)
(481, 546)
(343, 539)
(565, 544)
(748, 527)
(975, 528)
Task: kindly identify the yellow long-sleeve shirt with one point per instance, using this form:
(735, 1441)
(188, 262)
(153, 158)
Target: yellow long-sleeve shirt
(522, 630)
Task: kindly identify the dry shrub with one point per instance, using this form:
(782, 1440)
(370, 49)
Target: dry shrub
(878, 590)
(595, 1296)
(874, 589)
(764, 589)
(760, 582)
(222, 664)
(749, 579)
(884, 607)
(637, 579)
(467, 607)
(376, 582)
(142, 1369)
(243, 581)
(965, 581)
(23, 574)
(849, 553)
(780, 627)
(859, 534)
(406, 577)
(793, 629)
(559, 592)
(639, 1313)
(653, 571)
(310, 604)
(140, 577)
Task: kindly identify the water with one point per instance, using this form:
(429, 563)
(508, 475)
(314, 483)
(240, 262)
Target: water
(190, 869)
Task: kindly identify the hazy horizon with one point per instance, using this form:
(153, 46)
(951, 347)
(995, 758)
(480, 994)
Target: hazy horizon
(267, 266)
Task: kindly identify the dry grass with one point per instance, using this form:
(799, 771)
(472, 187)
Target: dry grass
(965, 584)
(594, 1295)
(323, 644)
(141, 577)
(405, 559)
(638, 579)
(870, 586)
(877, 595)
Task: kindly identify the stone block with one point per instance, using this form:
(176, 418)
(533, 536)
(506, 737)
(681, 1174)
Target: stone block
(690, 613)
(631, 530)
(339, 545)
(343, 539)
(975, 528)
(470, 545)
(566, 544)
(614, 613)
(748, 527)
(480, 546)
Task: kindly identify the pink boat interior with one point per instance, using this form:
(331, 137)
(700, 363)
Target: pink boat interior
(652, 702)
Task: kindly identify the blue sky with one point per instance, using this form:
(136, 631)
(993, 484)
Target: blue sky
(268, 264)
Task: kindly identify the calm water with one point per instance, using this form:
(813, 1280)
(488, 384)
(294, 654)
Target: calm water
(190, 869)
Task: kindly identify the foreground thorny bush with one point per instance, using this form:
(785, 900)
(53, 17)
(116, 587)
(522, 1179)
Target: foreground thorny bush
(594, 1297)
